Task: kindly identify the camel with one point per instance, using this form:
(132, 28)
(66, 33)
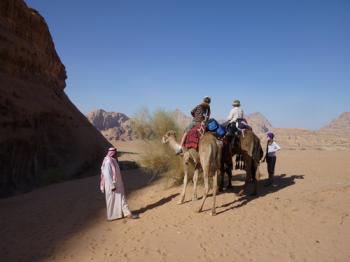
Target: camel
(250, 148)
(208, 158)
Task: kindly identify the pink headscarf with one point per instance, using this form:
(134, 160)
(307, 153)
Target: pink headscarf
(111, 152)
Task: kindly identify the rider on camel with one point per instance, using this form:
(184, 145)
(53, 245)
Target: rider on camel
(236, 112)
(200, 113)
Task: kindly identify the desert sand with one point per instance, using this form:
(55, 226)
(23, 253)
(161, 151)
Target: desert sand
(304, 217)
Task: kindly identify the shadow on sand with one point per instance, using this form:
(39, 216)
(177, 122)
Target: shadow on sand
(33, 225)
(156, 204)
(280, 182)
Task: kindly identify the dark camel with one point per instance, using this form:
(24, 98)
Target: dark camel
(248, 145)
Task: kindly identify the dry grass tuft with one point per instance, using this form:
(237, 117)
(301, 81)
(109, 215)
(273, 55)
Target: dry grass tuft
(158, 159)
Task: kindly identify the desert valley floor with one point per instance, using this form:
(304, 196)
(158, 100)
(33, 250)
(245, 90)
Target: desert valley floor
(305, 217)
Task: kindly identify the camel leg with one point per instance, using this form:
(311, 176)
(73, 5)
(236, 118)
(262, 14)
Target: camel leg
(206, 190)
(248, 170)
(229, 174)
(255, 181)
(183, 193)
(215, 185)
(195, 179)
(222, 178)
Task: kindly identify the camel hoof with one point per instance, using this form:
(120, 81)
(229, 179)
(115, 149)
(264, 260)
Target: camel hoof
(180, 202)
(254, 194)
(198, 210)
(213, 213)
(194, 198)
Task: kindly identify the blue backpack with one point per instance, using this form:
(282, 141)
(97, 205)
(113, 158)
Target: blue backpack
(220, 131)
(212, 125)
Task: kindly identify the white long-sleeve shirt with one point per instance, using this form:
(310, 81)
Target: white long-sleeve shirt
(272, 149)
(235, 113)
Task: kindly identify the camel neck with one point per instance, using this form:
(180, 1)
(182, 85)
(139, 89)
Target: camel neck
(173, 144)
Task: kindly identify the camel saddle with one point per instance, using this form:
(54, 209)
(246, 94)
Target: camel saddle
(192, 138)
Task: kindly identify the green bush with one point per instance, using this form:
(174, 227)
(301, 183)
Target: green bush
(158, 159)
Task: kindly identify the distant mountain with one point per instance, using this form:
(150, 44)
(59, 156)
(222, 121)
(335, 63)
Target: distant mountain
(181, 119)
(117, 126)
(339, 125)
(259, 122)
(113, 125)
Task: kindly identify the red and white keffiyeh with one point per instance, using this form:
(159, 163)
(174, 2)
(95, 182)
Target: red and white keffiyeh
(110, 154)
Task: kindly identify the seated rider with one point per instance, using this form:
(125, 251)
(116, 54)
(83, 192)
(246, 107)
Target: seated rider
(236, 119)
(200, 113)
(235, 113)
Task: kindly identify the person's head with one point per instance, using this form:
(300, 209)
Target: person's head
(112, 152)
(270, 136)
(207, 100)
(236, 103)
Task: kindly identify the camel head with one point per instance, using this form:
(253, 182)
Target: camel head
(168, 135)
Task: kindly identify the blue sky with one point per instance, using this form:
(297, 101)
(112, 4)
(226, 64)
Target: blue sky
(288, 59)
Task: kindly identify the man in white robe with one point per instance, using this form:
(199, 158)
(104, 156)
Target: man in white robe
(112, 185)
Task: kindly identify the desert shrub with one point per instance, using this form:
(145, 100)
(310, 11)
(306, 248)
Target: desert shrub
(141, 125)
(158, 158)
(153, 127)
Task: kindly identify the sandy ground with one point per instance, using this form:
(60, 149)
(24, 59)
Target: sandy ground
(305, 217)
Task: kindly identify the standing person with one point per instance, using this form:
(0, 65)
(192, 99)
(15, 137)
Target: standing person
(112, 185)
(270, 156)
(200, 113)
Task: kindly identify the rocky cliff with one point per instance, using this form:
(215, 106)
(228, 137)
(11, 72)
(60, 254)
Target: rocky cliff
(43, 137)
(113, 125)
(339, 125)
(259, 123)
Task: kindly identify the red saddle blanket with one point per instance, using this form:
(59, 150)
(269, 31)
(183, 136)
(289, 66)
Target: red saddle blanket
(192, 138)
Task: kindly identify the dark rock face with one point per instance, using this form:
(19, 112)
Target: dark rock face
(26, 47)
(43, 136)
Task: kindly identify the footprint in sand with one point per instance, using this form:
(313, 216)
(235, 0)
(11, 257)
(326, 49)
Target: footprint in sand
(203, 248)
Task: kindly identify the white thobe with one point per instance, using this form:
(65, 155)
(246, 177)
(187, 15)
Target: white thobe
(117, 206)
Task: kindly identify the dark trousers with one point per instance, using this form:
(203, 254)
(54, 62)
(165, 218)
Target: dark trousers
(271, 162)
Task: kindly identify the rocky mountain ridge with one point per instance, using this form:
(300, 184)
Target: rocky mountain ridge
(113, 125)
(340, 124)
(332, 137)
(117, 126)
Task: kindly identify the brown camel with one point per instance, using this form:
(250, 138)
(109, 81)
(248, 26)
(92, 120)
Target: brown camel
(209, 156)
(250, 148)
